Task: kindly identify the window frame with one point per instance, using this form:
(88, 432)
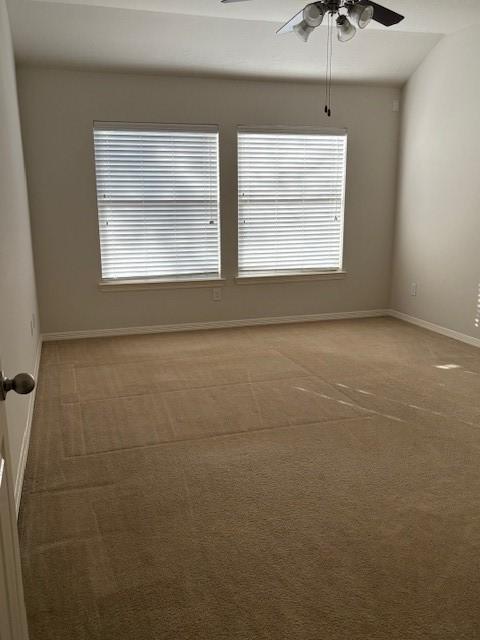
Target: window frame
(297, 275)
(159, 282)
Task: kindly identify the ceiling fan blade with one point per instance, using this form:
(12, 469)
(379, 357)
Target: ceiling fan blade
(230, 1)
(288, 26)
(384, 16)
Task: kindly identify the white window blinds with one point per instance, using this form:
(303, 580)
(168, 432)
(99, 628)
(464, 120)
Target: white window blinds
(158, 201)
(291, 201)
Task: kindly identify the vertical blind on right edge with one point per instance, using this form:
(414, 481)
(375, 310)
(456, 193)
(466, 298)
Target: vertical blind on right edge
(291, 201)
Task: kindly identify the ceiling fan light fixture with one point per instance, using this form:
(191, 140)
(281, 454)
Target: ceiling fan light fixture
(303, 30)
(361, 14)
(345, 29)
(313, 14)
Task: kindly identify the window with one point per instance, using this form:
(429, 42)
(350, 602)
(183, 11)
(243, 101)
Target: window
(291, 201)
(158, 201)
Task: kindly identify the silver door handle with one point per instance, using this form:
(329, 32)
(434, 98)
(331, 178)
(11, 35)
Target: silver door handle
(22, 383)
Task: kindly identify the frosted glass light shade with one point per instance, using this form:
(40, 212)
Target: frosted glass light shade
(313, 14)
(345, 29)
(361, 15)
(303, 30)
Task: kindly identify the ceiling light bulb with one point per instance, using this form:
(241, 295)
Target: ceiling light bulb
(361, 14)
(303, 30)
(313, 14)
(345, 29)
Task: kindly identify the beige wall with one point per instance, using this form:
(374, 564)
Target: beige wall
(438, 222)
(18, 347)
(58, 108)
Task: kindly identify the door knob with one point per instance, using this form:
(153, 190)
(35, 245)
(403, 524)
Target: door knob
(22, 383)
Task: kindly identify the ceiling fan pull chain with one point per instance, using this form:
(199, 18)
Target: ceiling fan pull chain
(329, 66)
(326, 68)
(329, 112)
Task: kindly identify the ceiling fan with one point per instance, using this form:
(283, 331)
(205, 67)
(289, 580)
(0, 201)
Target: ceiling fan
(346, 15)
(350, 15)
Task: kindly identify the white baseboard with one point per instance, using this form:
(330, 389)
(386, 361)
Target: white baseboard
(450, 333)
(221, 324)
(22, 463)
(251, 322)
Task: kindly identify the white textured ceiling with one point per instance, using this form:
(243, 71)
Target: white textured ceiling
(204, 36)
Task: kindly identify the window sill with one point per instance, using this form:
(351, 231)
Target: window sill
(290, 277)
(147, 285)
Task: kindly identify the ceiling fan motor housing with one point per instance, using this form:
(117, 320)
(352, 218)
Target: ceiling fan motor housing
(332, 5)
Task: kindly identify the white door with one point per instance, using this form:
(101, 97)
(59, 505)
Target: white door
(13, 622)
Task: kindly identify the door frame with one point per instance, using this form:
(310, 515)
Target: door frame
(10, 565)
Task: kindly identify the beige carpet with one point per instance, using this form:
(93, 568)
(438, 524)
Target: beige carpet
(303, 482)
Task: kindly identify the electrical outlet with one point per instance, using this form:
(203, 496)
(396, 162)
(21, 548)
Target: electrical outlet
(413, 289)
(217, 294)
